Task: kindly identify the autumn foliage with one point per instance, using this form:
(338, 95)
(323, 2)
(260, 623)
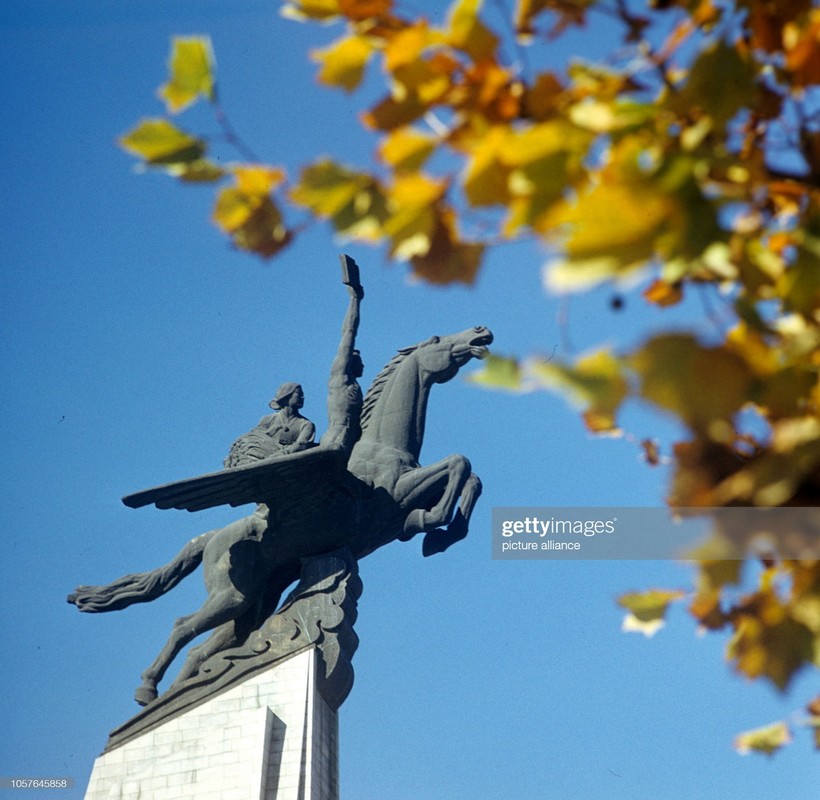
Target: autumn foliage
(686, 156)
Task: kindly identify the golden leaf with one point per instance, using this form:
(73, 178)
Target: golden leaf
(353, 201)
(159, 142)
(406, 149)
(468, 32)
(249, 214)
(485, 180)
(768, 641)
(322, 10)
(344, 62)
(235, 204)
(414, 217)
(697, 383)
(191, 65)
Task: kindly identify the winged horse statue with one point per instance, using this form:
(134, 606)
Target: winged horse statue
(309, 503)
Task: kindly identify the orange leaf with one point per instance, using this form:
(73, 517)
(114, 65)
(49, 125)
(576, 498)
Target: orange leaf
(663, 294)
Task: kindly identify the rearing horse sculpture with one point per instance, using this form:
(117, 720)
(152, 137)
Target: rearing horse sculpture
(310, 503)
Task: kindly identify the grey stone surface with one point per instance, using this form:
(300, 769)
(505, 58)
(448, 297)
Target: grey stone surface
(271, 737)
(361, 488)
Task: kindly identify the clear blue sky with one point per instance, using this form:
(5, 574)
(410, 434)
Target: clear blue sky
(138, 345)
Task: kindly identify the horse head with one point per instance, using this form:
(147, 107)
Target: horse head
(441, 357)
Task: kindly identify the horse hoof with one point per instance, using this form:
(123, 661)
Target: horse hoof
(145, 694)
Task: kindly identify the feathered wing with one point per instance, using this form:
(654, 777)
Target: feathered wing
(283, 480)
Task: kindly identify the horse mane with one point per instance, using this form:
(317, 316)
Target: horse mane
(379, 382)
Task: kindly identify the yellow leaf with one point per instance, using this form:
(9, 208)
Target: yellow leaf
(191, 66)
(257, 178)
(353, 201)
(248, 213)
(486, 177)
(647, 610)
(595, 380)
(697, 383)
(468, 33)
(498, 372)
(395, 112)
(616, 217)
(327, 187)
(606, 117)
(253, 183)
(264, 232)
(448, 260)
(159, 142)
(414, 218)
(577, 275)
(768, 739)
(407, 46)
(406, 149)
(344, 62)
(311, 9)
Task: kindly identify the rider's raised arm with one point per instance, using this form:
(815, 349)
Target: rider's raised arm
(340, 368)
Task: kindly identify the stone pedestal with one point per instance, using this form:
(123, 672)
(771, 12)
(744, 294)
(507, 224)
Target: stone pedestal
(272, 737)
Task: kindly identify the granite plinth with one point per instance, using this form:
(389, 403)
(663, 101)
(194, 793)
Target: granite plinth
(273, 737)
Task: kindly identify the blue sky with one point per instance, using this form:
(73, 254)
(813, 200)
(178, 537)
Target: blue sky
(138, 345)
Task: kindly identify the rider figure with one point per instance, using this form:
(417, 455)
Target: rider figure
(276, 434)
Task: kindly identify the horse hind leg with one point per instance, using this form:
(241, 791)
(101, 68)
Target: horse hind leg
(220, 608)
(222, 638)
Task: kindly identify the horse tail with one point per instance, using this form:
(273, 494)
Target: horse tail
(142, 587)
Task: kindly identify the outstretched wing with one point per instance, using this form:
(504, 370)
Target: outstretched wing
(285, 479)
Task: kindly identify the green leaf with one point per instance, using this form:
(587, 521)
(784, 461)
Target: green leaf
(720, 83)
(160, 142)
(647, 610)
(767, 740)
(498, 372)
(191, 73)
(200, 171)
(595, 380)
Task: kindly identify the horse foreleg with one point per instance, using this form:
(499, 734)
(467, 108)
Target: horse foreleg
(431, 493)
(437, 541)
